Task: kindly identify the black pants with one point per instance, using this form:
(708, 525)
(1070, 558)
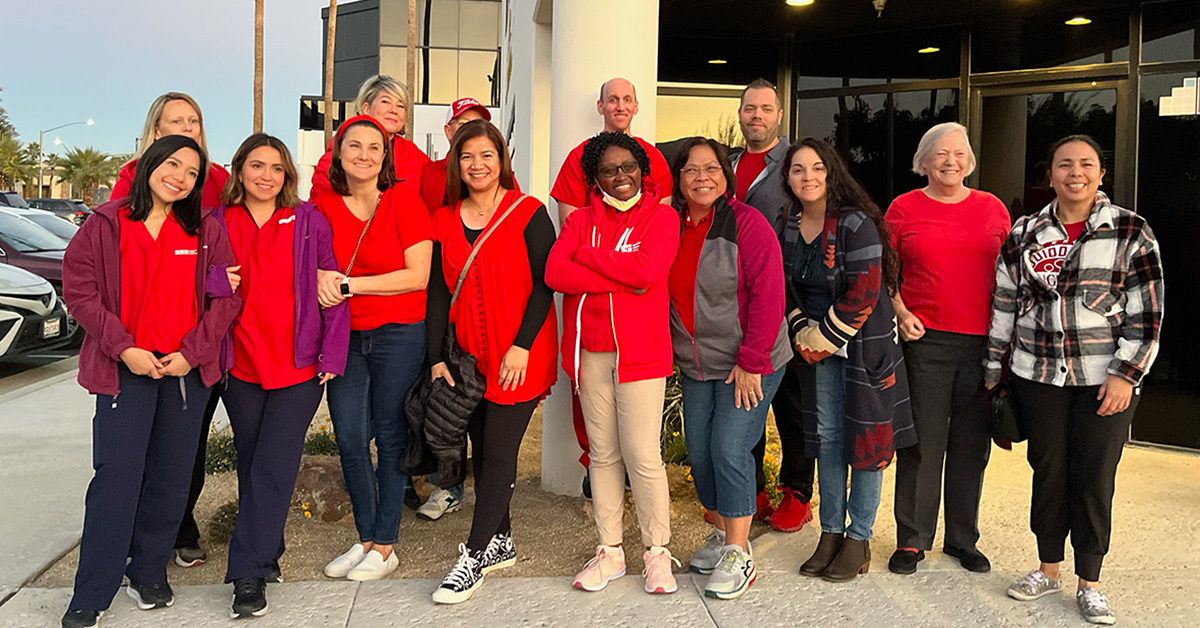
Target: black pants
(496, 432)
(189, 532)
(796, 470)
(268, 432)
(1074, 453)
(950, 414)
(142, 440)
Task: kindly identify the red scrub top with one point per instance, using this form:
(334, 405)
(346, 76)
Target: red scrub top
(158, 284)
(264, 334)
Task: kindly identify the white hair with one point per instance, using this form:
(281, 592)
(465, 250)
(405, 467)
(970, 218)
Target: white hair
(932, 136)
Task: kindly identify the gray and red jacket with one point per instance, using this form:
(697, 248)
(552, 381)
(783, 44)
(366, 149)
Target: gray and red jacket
(92, 290)
(740, 298)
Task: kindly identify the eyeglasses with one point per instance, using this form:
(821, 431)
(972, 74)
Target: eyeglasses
(609, 172)
(691, 172)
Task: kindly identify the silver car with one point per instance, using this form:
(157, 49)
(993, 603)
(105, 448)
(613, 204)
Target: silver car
(32, 317)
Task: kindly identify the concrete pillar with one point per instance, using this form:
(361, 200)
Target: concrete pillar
(591, 42)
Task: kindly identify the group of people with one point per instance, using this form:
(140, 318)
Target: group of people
(768, 278)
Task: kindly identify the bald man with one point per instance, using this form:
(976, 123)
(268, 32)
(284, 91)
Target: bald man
(618, 105)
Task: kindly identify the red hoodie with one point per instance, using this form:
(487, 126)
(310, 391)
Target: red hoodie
(606, 254)
(210, 197)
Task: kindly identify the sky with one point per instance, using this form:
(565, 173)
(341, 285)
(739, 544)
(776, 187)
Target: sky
(70, 60)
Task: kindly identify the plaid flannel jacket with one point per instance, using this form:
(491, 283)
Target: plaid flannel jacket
(1103, 315)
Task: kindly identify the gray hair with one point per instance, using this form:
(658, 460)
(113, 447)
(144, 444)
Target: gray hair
(932, 136)
(371, 88)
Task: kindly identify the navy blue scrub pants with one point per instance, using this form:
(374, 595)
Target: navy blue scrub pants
(143, 446)
(268, 433)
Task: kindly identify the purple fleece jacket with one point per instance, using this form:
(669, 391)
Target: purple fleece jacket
(322, 335)
(92, 289)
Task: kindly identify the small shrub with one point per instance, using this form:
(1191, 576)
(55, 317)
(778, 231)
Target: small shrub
(320, 444)
(220, 526)
(221, 456)
(674, 447)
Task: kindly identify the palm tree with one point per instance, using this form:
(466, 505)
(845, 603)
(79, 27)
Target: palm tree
(330, 37)
(86, 169)
(411, 74)
(258, 65)
(15, 162)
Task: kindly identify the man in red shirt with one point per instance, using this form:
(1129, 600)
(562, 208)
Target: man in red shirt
(433, 174)
(759, 184)
(617, 105)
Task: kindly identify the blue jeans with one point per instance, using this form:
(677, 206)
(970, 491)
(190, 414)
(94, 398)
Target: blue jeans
(456, 491)
(368, 403)
(865, 486)
(719, 439)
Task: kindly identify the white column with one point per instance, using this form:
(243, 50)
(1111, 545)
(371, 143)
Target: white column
(591, 42)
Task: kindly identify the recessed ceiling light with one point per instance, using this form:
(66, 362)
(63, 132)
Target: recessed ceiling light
(799, 3)
(1078, 21)
(717, 61)
(929, 50)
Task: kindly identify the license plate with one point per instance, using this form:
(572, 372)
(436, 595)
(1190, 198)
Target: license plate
(51, 328)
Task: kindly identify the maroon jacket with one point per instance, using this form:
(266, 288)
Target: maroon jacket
(92, 291)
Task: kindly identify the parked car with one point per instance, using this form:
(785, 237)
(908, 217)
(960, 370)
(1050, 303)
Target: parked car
(49, 221)
(71, 209)
(32, 317)
(25, 244)
(12, 199)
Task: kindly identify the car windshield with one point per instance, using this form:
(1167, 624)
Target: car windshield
(14, 200)
(54, 224)
(26, 236)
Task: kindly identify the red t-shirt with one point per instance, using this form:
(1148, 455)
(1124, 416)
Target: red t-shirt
(571, 185)
(158, 283)
(948, 257)
(263, 336)
(682, 281)
(401, 221)
(1048, 262)
(749, 166)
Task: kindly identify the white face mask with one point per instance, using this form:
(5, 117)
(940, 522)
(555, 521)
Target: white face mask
(619, 205)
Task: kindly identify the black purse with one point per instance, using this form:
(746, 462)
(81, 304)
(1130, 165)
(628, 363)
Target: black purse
(436, 445)
(1005, 422)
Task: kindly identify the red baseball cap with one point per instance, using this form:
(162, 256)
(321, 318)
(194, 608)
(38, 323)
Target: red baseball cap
(462, 105)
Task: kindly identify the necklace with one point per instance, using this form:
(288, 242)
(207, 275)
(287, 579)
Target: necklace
(489, 207)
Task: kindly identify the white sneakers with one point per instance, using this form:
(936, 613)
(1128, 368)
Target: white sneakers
(359, 565)
(440, 502)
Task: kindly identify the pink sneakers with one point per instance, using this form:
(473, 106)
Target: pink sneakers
(657, 573)
(608, 565)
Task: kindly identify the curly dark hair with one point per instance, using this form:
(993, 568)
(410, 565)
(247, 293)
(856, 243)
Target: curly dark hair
(593, 151)
(844, 193)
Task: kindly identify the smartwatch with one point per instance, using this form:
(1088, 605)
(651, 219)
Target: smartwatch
(345, 287)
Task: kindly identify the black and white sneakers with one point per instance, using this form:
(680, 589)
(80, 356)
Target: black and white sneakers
(500, 553)
(249, 598)
(149, 596)
(463, 579)
(76, 618)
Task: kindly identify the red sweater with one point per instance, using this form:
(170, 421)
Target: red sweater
(408, 160)
(605, 254)
(213, 183)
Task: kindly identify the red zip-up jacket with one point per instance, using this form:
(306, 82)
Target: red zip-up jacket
(605, 254)
(92, 290)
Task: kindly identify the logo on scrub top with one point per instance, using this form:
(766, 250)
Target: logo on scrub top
(187, 252)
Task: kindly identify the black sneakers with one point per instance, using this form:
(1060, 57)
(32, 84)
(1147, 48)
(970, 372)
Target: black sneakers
(190, 556)
(971, 560)
(276, 574)
(150, 596)
(905, 561)
(500, 553)
(249, 598)
(462, 581)
(76, 618)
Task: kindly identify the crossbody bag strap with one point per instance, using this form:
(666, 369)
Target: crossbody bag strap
(462, 276)
(363, 234)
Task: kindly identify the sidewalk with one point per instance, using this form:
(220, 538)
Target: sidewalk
(1152, 575)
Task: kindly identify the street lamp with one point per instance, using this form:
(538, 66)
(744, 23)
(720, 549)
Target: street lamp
(42, 149)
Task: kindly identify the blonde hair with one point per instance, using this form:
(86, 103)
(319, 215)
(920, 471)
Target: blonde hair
(154, 116)
(370, 89)
(932, 136)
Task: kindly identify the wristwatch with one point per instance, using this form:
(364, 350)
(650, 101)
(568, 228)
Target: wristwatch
(345, 288)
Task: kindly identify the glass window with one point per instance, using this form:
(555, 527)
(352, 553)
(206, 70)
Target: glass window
(1169, 197)
(26, 236)
(872, 59)
(1046, 40)
(684, 116)
(1171, 31)
(914, 113)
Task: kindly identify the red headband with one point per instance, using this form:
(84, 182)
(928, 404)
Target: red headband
(356, 119)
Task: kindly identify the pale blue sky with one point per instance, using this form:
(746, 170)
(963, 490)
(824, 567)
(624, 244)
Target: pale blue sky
(69, 60)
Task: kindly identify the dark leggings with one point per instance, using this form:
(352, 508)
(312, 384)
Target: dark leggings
(496, 432)
(189, 532)
(1074, 453)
